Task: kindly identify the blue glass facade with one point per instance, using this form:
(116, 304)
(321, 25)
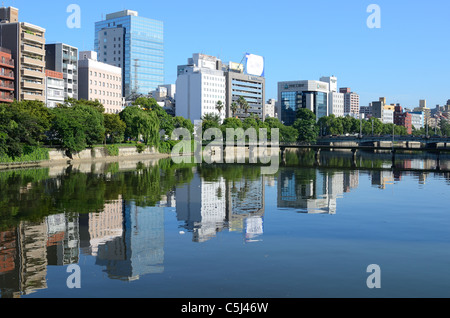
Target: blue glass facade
(142, 51)
(321, 104)
(292, 101)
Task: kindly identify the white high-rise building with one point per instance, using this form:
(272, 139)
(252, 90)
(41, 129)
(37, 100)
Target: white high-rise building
(336, 104)
(201, 84)
(100, 81)
(271, 108)
(336, 99)
(351, 102)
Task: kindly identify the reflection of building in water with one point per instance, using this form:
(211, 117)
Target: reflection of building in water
(105, 226)
(25, 257)
(63, 240)
(26, 252)
(202, 206)
(168, 201)
(32, 257)
(140, 248)
(351, 180)
(382, 178)
(316, 193)
(207, 207)
(246, 207)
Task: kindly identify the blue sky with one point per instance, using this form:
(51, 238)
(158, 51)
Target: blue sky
(406, 60)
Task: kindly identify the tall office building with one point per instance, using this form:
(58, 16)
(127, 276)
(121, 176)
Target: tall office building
(205, 80)
(6, 76)
(27, 45)
(271, 108)
(201, 84)
(100, 81)
(351, 102)
(336, 99)
(250, 87)
(293, 95)
(63, 58)
(135, 44)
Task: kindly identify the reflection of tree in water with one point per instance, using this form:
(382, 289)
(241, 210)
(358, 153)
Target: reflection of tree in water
(32, 195)
(232, 174)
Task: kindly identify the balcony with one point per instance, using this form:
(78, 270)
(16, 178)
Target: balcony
(32, 61)
(33, 85)
(7, 86)
(7, 63)
(6, 99)
(31, 49)
(7, 75)
(26, 96)
(31, 73)
(33, 38)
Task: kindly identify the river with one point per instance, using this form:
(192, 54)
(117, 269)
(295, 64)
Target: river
(152, 229)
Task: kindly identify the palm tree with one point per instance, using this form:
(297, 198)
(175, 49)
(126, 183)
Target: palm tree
(211, 117)
(243, 104)
(234, 108)
(219, 107)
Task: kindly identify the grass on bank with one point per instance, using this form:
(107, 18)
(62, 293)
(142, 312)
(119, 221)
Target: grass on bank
(31, 154)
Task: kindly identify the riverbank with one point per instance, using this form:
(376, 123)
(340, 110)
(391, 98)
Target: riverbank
(100, 154)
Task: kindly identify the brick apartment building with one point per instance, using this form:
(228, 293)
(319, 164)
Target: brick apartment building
(6, 76)
(403, 119)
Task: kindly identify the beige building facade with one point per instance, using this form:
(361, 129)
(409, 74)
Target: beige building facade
(27, 45)
(100, 81)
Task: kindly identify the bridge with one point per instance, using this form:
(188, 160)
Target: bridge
(394, 145)
(425, 140)
(374, 144)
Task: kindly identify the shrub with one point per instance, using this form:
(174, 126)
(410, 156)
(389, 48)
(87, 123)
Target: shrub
(112, 150)
(140, 148)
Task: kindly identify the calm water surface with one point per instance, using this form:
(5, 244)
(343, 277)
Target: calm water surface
(157, 230)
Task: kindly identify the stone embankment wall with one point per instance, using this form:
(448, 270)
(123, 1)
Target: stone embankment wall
(99, 153)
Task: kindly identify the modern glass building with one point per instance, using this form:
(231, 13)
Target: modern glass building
(292, 96)
(136, 44)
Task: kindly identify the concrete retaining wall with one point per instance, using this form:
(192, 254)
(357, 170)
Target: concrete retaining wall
(98, 153)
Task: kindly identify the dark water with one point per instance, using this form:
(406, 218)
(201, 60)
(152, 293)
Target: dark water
(154, 229)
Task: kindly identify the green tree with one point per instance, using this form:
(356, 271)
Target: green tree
(243, 104)
(444, 126)
(93, 123)
(140, 123)
(306, 126)
(234, 108)
(114, 128)
(219, 106)
(70, 102)
(22, 124)
(211, 117)
(180, 122)
(146, 103)
(67, 130)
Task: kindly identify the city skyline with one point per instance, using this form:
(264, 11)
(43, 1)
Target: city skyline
(388, 61)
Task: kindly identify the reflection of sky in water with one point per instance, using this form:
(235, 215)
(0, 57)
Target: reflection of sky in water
(304, 233)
